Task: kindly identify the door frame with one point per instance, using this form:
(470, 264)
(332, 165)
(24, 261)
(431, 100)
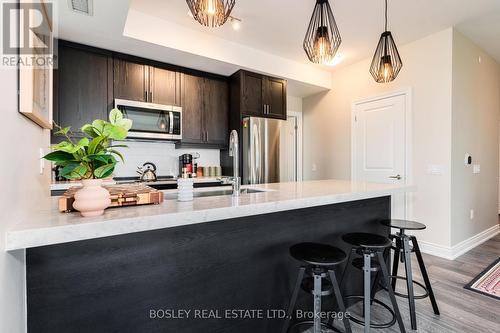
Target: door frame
(298, 116)
(408, 179)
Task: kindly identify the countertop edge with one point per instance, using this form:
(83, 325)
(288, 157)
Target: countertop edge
(23, 239)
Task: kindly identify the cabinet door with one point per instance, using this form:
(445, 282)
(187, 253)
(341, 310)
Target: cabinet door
(192, 109)
(165, 86)
(82, 91)
(130, 80)
(275, 97)
(251, 99)
(216, 115)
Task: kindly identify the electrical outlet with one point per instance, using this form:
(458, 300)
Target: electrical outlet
(42, 161)
(476, 169)
(314, 168)
(471, 214)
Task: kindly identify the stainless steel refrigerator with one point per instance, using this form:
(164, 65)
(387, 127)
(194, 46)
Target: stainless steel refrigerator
(261, 150)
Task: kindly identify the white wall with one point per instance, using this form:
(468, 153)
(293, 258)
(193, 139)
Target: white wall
(427, 71)
(163, 155)
(23, 189)
(476, 107)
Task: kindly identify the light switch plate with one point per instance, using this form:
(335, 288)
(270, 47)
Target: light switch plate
(476, 169)
(434, 169)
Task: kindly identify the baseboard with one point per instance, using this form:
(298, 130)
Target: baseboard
(453, 252)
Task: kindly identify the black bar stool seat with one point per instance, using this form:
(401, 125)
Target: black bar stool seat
(371, 248)
(404, 224)
(317, 254)
(404, 246)
(316, 277)
(366, 240)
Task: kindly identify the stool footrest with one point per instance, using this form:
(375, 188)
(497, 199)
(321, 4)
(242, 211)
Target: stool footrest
(424, 295)
(360, 320)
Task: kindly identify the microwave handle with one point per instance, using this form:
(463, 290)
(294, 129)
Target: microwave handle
(171, 116)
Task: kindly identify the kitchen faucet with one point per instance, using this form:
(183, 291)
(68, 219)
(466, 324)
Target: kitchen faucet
(234, 152)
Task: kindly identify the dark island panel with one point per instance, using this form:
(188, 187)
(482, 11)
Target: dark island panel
(112, 284)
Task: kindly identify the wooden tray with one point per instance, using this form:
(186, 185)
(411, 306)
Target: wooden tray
(121, 195)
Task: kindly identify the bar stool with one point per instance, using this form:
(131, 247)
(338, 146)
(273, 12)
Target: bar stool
(371, 248)
(402, 251)
(317, 278)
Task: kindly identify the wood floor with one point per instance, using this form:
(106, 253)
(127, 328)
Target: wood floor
(462, 310)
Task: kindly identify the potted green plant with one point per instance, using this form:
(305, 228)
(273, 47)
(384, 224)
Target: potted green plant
(90, 159)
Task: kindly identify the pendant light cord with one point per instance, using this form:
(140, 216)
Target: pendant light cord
(385, 15)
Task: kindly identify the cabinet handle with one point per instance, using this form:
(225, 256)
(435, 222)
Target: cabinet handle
(264, 108)
(206, 136)
(151, 96)
(268, 109)
(145, 95)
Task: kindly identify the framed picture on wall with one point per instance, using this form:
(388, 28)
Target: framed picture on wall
(36, 45)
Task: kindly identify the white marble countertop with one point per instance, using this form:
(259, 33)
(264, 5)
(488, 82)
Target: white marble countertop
(48, 226)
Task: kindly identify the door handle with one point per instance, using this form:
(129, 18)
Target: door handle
(398, 177)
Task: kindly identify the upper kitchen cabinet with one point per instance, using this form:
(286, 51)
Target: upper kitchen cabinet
(140, 82)
(83, 85)
(204, 111)
(130, 80)
(258, 95)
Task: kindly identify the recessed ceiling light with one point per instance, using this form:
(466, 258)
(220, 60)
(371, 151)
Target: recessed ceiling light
(235, 23)
(336, 60)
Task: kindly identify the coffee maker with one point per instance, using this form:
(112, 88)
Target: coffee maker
(186, 166)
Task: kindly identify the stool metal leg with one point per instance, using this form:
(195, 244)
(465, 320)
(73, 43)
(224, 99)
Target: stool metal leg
(340, 302)
(349, 261)
(409, 282)
(423, 270)
(395, 262)
(293, 300)
(367, 291)
(317, 303)
(385, 274)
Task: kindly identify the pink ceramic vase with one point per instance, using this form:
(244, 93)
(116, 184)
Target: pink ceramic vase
(92, 199)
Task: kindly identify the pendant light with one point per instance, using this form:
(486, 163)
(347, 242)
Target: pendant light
(322, 37)
(386, 62)
(211, 13)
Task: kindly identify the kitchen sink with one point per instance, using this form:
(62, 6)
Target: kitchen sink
(214, 193)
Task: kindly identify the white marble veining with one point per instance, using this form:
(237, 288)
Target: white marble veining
(49, 226)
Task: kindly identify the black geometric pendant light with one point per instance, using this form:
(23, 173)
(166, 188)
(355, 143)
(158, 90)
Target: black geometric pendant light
(386, 62)
(323, 37)
(211, 13)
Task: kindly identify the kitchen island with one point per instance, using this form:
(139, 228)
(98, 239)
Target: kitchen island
(151, 268)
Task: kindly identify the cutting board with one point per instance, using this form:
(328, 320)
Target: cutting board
(121, 195)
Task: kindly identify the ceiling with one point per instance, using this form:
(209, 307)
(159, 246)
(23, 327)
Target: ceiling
(278, 27)
(273, 31)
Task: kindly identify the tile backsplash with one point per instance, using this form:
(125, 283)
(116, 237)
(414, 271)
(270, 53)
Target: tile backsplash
(163, 155)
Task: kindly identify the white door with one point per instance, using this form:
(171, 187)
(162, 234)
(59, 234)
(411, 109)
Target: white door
(288, 146)
(379, 147)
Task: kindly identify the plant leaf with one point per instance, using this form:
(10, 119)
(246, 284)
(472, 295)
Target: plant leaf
(66, 146)
(67, 170)
(99, 126)
(117, 153)
(59, 156)
(115, 132)
(115, 116)
(84, 142)
(89, 130)
(63, 131)
(94, 144)
(104, 171)
(126, 124)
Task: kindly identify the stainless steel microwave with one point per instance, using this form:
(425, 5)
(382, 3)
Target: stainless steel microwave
(152, 121)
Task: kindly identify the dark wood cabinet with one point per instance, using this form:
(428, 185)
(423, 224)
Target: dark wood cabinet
(144, 83)
(275, 97)
(192, 109)
(130, 81)
(204, 111)
(165, 86)
(253, 94)
(83, 91)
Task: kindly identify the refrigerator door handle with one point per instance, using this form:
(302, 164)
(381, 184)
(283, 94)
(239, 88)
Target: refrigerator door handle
(255, 178)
